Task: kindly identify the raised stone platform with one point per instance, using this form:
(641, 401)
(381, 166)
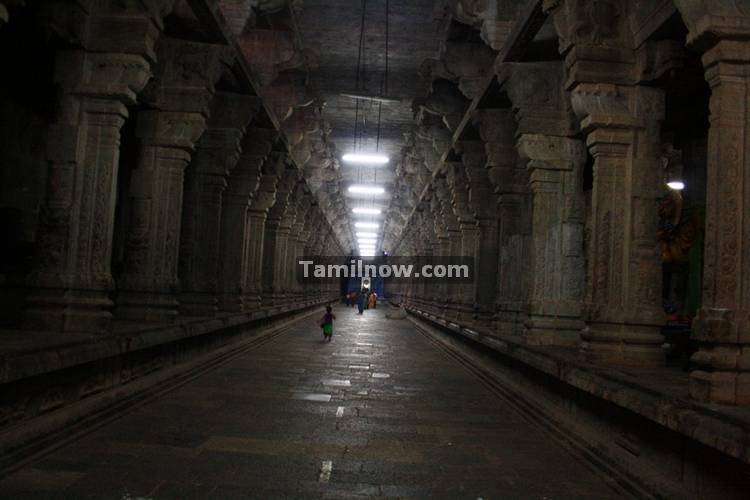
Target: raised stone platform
(640, 420)
(51, 380)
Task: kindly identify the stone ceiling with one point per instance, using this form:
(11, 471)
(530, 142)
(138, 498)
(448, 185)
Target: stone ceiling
(305, 54)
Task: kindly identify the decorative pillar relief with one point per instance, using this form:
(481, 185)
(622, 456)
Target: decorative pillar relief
(721, 371)
(71, 280)
(217, 154)
(621, 120)
(179, 94)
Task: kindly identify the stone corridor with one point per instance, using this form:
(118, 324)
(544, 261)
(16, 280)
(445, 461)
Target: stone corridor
(392, 415)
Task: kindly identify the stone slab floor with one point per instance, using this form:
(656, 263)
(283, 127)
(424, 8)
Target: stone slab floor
(378, 412)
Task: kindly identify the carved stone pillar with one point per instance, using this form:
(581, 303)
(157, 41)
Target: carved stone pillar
(236, 226)
(482, 202)
(457, 180)
(452, 243)
(264, 199)
(722, 364)
(180, 93)
(216, 157)
(71, 281)
(621, 120)
(624, 288)
(555, 165)
(497, 128)
(275, 240)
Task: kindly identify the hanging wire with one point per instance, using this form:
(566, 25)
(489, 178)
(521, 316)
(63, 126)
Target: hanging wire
(360, 81)
(384, 83)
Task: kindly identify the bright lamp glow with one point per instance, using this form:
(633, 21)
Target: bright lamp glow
(359, 189)
(367, 211)
(366, 225)
(676, 185)
(365, 158)
(364, 241)
(367, 235)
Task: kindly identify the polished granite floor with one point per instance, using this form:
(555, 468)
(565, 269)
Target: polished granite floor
(377, 412)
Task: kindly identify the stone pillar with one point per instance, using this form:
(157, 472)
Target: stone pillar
(624, 288)
(264, 199)
(275, 240)
(299, 239)
(180, 96)
(216, 156)
(497, 128)
(722, 364)
(457, 180)
(237, 236)
(440, 249)
(555, 166)
(71, 281)
(482, 202)
(452, 242)
(621, 120)
(287, 243)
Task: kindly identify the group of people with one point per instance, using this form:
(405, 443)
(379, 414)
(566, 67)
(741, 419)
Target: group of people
(365, 299)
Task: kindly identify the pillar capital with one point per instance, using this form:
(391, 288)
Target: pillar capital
(540, 103)
(551, 152)
(185, 75)
(617, 108)
(709, 21)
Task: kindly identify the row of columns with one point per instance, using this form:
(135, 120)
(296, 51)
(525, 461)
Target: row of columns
(512, 195)
(212, 199)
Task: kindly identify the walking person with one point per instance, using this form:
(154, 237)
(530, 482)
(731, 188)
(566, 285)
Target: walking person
(326, 323)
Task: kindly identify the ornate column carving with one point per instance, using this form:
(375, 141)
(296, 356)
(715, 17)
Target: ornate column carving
(555, 164)
(275, 239)
(297, 236)
(236, 224)
(457, 180)
(71, 280)
(217, 154)
(179, 95)
(452, 242)
(622, 121)
(722, 364)
(264, 199)
(624, 287)
(509, 180)
(482, 202)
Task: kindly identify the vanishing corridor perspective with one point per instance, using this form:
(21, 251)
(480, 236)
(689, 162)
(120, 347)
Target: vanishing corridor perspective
(168, 166)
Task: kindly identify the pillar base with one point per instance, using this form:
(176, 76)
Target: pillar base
(622, 344)
(232, 303)
(729, 388)
(147, 306)
(721, 366)
(198, 304)
(553, 331)
(61, 310)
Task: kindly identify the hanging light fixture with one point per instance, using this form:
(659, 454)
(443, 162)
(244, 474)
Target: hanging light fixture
(363, 189)
(365, 159)
(367, 211)
(366, 225)
(366, 235)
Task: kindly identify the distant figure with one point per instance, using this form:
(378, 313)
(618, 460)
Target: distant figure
(347, 299)
(373, 300)
(354, 298)
(361, 300)
(326, 323)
